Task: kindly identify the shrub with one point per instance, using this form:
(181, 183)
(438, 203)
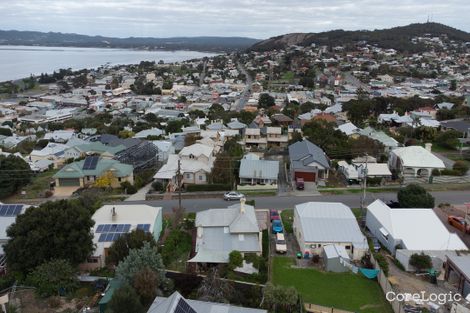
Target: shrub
(415, 196)
(450, 172)
(420, 261)
(461, 167)
(235, 259)
(128, 188)
(383, 264)
(208, 187)
(157, 186)
(436, 172)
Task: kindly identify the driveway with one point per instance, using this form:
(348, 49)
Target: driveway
(140, 194)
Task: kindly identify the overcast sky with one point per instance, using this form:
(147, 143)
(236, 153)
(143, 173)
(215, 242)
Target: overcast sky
(258, 19)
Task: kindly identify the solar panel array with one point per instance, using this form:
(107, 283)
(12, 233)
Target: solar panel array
(90, 163)
(109, 237)
(10, 209)
(183, 307)
(113, 228)
(144, 227)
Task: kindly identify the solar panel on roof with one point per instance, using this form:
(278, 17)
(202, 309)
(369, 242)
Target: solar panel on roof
(3, 210)
(144, 227)
(93, 162)
(99, 229)
(10, 209)
(86, 163)
(113, 228)
(183, 307)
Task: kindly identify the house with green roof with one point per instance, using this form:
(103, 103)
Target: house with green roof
(86, 172)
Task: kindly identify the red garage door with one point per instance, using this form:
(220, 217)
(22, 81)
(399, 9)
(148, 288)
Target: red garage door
(306, 176)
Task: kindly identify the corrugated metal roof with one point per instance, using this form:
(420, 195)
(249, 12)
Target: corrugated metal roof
(300, 151)
(262, 169)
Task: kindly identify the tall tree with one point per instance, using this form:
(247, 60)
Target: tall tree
(125, 300)
(14, 174)
(53, 277)
(266, 101)
(119, 250)
(415, 196)
(54, 230)
(213, 289)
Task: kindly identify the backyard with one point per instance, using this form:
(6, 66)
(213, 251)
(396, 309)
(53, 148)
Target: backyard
(340, 290)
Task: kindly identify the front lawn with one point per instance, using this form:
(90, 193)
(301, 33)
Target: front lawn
(345, 291)
(39, 185)
(287, 217)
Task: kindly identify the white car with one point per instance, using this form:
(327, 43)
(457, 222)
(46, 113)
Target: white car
(233, 195)
(281, 245)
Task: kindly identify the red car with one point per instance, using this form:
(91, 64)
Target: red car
(459, 223)
(274, 215)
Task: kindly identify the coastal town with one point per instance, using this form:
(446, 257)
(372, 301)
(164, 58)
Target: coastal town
(307, 178)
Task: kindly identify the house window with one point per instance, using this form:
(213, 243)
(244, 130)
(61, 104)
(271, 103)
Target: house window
(119, 178)
(348, 247)
(188, 176)
(92, 260)
(200, 177)
(241, 237)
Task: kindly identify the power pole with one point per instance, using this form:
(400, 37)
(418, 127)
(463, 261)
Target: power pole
(364, 186)
(178, 177)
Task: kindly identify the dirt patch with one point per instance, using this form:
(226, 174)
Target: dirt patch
(28, 302)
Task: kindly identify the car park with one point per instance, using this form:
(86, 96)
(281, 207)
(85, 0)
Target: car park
(233, 195)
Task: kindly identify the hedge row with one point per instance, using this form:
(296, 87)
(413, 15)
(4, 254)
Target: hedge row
(208, 187)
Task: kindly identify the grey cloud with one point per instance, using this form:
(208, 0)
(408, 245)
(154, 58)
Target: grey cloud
(259, 19)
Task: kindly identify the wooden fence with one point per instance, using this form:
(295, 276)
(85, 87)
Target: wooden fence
(314, 308)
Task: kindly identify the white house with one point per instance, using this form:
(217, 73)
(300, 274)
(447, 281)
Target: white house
(317, 224)
(221, 231)
(414, 161)
(410, 229)
(112, 221)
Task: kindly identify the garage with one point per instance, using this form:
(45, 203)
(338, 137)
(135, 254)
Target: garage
(311, 177)
(69, 182)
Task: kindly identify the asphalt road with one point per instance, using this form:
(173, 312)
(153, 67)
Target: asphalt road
(247, 91)
(284, 202)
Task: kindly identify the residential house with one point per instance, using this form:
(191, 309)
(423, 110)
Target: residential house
(221, 231)
(93, 148)
(113, 221)
(153, 132)
(308, 161)
(275, 137)
(253, 139)
(349, 129)
(318, 224)
(414, 161)
(196, 162)
(54, 152)
(86, 172)
(254, 171)
(164, 148)
(457, 273)
(388, 142)
(177, 304)
(8, 214)
(60, 136)
(411, 230)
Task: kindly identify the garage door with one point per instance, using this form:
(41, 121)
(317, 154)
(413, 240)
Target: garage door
(306, 176)
(69, 182)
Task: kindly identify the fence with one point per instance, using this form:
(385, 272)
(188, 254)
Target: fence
(314, 308)
(397, 306)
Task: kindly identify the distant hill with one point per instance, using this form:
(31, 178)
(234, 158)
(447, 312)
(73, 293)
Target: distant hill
(210, 44)
(397, 38)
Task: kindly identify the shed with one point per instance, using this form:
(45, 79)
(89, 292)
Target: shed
(114, 284)
(333, 255)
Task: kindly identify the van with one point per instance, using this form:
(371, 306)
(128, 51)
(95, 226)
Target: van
(299, 184)
(281, 245)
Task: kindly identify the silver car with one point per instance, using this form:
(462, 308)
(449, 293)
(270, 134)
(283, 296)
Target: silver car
(233, 195)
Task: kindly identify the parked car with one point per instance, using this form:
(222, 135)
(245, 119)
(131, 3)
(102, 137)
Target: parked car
(300, 184)
(376, 244)
(274, 215)
(233, 195)
(281, 245)
(277, 227)
(459, 223)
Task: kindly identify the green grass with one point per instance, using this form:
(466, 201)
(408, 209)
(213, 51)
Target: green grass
(39, 184)
(287, 217)
(345, 291)
(440, 149)
(288, 76)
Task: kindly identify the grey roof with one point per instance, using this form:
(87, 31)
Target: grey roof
(304, 152)
(463, 264)
(459, 125)
(329, 222)
(236, 125)
(168, 305)
(263, 169)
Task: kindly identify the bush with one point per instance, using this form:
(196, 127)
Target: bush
(383, 264)
(415, 196)
(235, 259)
(374, 181)
(177, 243)
(250, 202)
(460, 167)
(208, 187)
(421, 261)
(157, 186)
(450, 172)
(128, 188)
(436, 172)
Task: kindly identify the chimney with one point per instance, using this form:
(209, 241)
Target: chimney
(242, 205)
(428, 146)
(113, 211)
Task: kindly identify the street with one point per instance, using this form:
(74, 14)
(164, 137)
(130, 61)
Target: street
(247, 91)
(283, 202)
